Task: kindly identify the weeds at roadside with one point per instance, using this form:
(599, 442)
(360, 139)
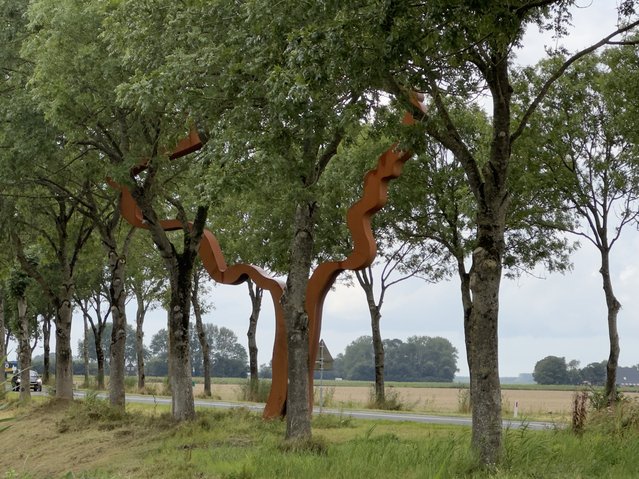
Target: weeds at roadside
(248, 391)
(463, 401)
(327, 393)
(314, 445)
(89, 410)
(331, 421)
(392, 400)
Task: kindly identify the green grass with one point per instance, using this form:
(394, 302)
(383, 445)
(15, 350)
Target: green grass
(238, 444)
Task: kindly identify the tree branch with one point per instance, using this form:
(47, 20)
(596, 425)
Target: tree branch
(560, 71)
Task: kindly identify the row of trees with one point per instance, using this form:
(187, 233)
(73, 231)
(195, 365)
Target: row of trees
(420, 358)
(555, 370)
(226, 356)
(291, 99)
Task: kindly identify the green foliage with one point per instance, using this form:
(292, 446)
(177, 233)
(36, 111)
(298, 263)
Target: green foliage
(227, 355)
(551, 370)
(420, 358)
(130, 354)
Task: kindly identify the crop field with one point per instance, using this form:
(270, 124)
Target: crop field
(534, 403)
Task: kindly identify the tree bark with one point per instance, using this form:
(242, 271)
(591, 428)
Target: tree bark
(613, 307)
(201, 334)
(99, 355)
(63, 351)
(180, 269)
(85, 350)
(255, 292)
(467, 305)
(298, 413)
(24, 350)
(139, 338)
(485, 388)
(46, 342)
(3, 350)
(183, 406)
(117, 299)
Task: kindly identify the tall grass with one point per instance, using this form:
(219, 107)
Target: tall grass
(238, 444)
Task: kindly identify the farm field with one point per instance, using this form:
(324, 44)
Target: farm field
(441, 400)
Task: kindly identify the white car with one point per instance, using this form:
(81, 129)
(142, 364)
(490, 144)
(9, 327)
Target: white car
(35, 382)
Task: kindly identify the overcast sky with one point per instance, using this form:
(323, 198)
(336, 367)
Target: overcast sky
(561, 315)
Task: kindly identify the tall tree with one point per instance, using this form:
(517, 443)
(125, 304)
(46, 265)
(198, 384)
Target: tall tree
(31, 157)
(454, 51)
(115, 136)
(589, 156)
(18, 284)
(145, 278)
(255, 293)
(200, 308)
(283, 131)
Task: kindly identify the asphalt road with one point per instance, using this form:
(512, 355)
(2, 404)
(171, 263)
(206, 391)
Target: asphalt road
(358, 414)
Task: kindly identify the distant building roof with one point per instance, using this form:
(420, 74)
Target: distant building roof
(628, 376)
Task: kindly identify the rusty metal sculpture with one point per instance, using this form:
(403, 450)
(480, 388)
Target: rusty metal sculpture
(374, 197)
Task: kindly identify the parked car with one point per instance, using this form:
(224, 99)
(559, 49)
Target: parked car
(35, 382)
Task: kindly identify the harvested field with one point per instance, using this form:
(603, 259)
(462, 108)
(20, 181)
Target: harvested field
(531, 402)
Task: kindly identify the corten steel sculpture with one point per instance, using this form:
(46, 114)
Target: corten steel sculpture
(374, 197)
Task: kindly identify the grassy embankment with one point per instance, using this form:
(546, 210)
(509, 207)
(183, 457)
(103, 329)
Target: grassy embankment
(87, 439)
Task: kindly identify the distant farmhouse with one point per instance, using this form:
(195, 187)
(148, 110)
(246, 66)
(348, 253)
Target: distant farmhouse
(628, 376)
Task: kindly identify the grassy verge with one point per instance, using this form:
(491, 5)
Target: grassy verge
(88, 439)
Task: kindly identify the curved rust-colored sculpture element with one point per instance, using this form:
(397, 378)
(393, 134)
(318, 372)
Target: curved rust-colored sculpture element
(214, 262)
(358, 219)
(389, 166)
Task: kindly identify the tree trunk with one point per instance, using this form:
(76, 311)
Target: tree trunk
(3, 350)
(365, 281)
(117, 299)
(99, 354)
(180, 269)
(613, 306)
(201, 335)
(467, 305)
(24, 350)
(485, 390)
(46, 342)
(63, 351)
(139, 339)
(255, 292)
(85, 351)
(298, 413)
(183, 406)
